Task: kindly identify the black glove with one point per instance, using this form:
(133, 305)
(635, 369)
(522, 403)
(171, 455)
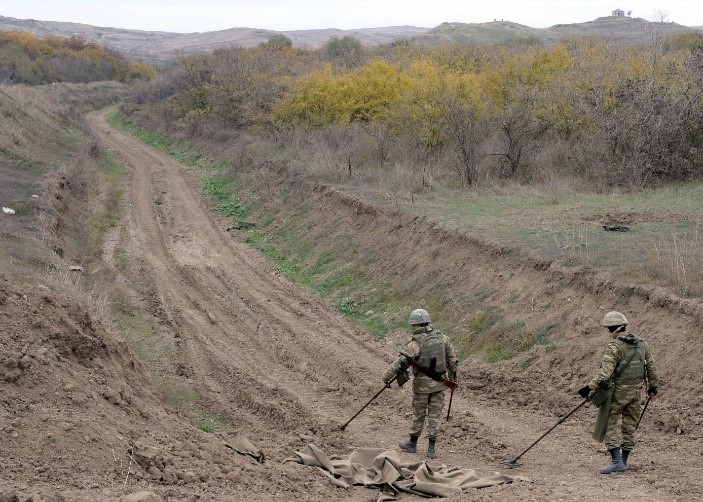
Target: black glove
(652, 391)
(584, 391)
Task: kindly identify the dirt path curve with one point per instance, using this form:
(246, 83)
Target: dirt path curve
(277, 363)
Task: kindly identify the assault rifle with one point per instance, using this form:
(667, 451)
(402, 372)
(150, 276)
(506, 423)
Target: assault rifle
(431, 373)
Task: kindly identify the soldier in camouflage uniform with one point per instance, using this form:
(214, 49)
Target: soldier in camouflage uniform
(630, 378)
(431, 349)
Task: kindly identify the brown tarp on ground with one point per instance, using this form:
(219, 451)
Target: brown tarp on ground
(243, 446)
(379, 468)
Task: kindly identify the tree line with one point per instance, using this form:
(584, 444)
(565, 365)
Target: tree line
(27, 59)
(615, 114)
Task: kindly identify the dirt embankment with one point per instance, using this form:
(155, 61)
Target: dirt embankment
(79, 413)
(82, 418)
(419, 259)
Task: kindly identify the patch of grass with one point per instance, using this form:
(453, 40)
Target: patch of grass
(571, 230)
(123, 260)
(490, 335)
(218, 188)
(182, 398)
(262, 243)
(181, 151)
(483, 322)
(329, 274)
(495, 353)
(25, 208)
(208, 422)
(142, 337)
(179, 396)
(337, 282)
(111, 213)
(372, 319)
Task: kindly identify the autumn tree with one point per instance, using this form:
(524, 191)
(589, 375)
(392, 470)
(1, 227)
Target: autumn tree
(277, 42)
(345, 52)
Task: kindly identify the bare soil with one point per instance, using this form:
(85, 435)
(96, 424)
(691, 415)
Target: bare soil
(83, 419)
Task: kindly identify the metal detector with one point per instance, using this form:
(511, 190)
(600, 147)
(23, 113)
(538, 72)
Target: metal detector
(511, 464)
(387, 386)
(649, 398)
(449, 410)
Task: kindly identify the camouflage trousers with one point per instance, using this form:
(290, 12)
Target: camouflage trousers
(430, 406)
(625, 407)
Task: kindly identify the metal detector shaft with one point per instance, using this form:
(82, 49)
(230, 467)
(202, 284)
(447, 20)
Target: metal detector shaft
(342, 427)
(449, 409)
(649, 398)
(514, 461)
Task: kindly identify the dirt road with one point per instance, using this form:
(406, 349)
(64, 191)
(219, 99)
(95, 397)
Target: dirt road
(282, 367)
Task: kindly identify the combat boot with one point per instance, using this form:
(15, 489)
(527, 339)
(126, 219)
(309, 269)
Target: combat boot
(617, 465)
(410, 446)
(430, 448)
(625, 456)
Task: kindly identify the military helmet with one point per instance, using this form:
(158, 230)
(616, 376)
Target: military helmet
(419, 316)
(614, 319)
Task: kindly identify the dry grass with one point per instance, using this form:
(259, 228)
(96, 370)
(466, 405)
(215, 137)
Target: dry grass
(44, 146)
(94, 295)
(677, 258)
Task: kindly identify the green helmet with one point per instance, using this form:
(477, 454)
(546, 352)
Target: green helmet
(419, 316)
(614, 319)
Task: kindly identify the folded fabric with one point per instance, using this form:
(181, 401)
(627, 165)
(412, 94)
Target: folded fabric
(379, 468)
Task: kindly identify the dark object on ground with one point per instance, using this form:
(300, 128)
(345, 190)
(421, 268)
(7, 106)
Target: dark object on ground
(242, 225)
(616, 228)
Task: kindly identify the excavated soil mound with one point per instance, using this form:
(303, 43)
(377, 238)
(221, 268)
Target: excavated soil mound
(80, 420)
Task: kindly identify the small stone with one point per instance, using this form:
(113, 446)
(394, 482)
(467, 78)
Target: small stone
(155, 473)
(189, 477)
(170, 476)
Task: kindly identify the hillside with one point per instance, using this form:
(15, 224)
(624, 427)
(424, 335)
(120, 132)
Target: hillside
(159, 47)
(620, 29)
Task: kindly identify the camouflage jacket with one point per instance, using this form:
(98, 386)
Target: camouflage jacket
(422, 384)
(613, 356)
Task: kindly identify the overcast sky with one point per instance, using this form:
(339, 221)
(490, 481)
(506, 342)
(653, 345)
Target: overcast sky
(186, 16)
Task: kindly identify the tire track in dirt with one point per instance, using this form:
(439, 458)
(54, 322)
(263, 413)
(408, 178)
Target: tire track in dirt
(258, 349)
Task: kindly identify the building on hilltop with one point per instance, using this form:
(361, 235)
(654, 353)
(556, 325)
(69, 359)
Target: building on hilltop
(618, 13)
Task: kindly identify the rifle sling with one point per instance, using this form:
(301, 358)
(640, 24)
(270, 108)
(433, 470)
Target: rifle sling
(426, 371)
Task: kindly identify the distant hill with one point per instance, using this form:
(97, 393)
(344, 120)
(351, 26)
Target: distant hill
(497, 32)
(624, 29)
(159, 47)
